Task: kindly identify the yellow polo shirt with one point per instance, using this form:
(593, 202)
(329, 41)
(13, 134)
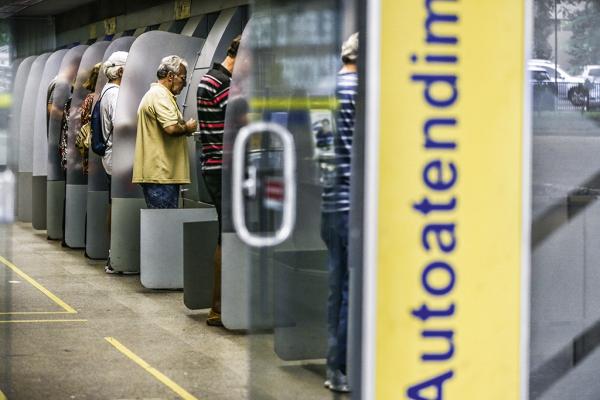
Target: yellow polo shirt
(160, 157)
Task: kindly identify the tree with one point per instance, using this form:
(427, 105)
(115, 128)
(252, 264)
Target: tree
(543, 27)
(584, 23)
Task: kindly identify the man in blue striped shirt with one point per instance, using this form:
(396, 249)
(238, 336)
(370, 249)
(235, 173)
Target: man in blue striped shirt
(334, 223)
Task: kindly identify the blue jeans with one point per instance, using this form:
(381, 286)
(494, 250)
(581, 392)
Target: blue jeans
(334, 232)
(161, 196)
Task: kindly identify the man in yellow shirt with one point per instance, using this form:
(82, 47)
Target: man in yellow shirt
(161, 154)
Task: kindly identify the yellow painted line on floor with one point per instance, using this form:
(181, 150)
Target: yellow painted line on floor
(2, 396)
(152, 371)
(40, 321)
(34, 283)
(35, 313)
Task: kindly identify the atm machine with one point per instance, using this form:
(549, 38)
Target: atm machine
(20, 81)
(40, 141)
(26, 137)
(140, 71)
(229, 24)
(208, 41)
(97, 243)
(76, 179)
(56, 184)
(11, 157)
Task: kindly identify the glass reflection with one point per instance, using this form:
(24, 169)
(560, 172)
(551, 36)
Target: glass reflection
(565, 186)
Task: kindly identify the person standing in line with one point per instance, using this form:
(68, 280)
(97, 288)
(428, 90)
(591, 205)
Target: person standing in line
(161, 153)
(212, 96)
(114, 68)
(85, 109)
(334, 219)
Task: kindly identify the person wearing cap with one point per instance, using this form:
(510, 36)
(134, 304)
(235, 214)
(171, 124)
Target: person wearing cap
(212, 99)
(161, 161)
(335, 208)
(113, 69)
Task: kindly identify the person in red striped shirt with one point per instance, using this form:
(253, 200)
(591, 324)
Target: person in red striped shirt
(212, 97)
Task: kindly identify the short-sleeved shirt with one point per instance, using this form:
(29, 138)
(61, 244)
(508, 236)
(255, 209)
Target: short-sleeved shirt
(108, 111)
(159, 157)
(212, 97)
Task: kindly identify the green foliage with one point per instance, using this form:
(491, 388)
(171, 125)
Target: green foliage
(584, 45)
(543, 27)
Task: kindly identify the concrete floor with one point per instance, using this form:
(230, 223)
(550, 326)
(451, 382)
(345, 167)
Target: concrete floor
(48, 359)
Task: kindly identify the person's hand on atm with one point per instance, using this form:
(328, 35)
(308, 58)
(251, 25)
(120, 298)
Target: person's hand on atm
(190, 126)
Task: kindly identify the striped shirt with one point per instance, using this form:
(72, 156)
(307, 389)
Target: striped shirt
(336, 198)
(212, 96)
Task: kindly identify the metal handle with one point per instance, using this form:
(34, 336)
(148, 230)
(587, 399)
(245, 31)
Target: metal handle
(238, 185)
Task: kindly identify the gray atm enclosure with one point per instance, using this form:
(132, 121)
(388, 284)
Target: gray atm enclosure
(140, 71)
(76, 194)
(228, 25)
(56, 176)
(12, 145)
(97, 242)
(26, 134)
(40, 141)
(15, 120)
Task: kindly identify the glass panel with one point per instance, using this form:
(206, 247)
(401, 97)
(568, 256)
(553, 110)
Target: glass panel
(565, 301)
(285, 74)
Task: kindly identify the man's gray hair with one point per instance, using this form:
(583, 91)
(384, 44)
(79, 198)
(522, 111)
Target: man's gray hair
(170, 64)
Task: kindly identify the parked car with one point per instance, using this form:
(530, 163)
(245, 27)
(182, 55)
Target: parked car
(544, 89)
(569, 87)
(591, 73)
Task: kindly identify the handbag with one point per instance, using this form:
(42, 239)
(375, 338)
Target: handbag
(83, 138)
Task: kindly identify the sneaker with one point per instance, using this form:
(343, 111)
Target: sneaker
(329, 377)
(109, 270)
(339, 382)
(214, 319)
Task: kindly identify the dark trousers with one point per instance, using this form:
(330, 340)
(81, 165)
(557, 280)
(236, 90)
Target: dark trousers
(334, 232)
(213, 182)
(161, 196)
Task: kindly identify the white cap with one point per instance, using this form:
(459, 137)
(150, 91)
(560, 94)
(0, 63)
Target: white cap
(350, 48)
(117, 59)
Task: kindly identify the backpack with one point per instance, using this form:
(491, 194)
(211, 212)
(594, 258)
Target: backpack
(98, 142)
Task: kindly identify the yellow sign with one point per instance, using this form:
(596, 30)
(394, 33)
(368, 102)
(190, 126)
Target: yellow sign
(450, 208)
(183, 9)
(110, 26)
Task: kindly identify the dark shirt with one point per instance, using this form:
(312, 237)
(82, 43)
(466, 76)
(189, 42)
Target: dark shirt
(212, 97)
